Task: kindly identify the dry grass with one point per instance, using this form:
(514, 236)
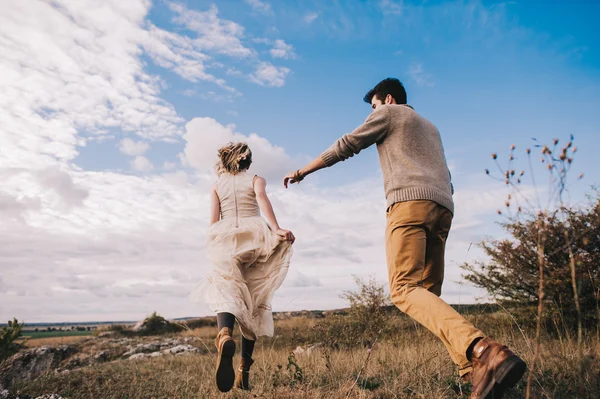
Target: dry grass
(54, 341)
(409, 364)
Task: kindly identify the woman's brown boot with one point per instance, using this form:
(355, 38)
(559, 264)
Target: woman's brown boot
(225, 374)
(243, 375)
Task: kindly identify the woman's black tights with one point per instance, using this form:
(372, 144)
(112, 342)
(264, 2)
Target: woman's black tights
(228, 320)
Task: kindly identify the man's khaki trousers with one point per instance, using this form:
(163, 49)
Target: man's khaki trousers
(416, 236)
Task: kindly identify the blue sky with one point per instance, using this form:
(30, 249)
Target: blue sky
(113, 112)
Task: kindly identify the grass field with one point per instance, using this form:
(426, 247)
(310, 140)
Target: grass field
(53, 334)
(408, 363)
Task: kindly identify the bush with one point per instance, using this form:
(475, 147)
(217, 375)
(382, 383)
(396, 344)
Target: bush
(8, 336)
(365, 321)
(511, 272)
(155, 324)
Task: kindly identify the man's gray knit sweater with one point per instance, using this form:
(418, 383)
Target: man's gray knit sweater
(410, 152)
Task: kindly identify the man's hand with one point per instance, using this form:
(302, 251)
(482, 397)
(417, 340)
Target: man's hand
(300, 174)
(293, 177)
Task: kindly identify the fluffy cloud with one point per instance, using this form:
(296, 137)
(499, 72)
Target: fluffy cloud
(282, 50)
(73, 71)
(130, 147)
(204, 136)
(213, 33)
(259, 5)
(267, 74)
(142, 164)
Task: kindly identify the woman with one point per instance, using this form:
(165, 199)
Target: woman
(251, 256)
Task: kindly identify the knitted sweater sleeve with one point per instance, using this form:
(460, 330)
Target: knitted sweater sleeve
(373, 130)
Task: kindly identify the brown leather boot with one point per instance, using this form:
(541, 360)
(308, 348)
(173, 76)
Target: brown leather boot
(243, 375)
(225, 374)
(495, 368)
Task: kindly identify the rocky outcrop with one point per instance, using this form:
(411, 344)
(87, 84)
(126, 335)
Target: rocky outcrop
(4, 394)
(143, 351)
(32, 363)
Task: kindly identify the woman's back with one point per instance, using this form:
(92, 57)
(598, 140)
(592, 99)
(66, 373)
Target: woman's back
(236, 196)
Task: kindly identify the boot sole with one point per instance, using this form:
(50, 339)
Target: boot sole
(510, 372)
(225, 374)
(507, 376)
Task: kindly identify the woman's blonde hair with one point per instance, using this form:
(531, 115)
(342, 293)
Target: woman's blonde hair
(234, 158)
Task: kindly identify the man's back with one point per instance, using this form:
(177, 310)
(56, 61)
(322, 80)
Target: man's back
(412, 159)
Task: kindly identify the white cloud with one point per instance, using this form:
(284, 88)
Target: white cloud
(214, 33)
(310, 17)
(169, 165)
(282, 50)
(420, 76)
(259, 5)
(267, 74)
(67, 75)
(299, 279)
(189, 93)
(178, 53)
(391, 7)
(62, 184)
(130, 147)
(142, 164)
(204, 136)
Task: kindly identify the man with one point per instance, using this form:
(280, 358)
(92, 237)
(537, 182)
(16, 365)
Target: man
(419, 215)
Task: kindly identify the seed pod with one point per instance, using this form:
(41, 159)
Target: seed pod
(494, 156)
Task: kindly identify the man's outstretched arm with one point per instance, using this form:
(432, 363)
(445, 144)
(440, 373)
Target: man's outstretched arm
(370, 132)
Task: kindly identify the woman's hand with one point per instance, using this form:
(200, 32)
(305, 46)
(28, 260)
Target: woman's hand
(286, 235)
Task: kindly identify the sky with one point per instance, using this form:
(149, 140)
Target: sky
(111, 114)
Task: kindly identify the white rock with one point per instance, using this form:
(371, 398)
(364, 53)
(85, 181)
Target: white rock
(138, 326)
(138, 356)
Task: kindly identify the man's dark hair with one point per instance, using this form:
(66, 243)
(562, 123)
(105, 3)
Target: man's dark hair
(387, 86)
